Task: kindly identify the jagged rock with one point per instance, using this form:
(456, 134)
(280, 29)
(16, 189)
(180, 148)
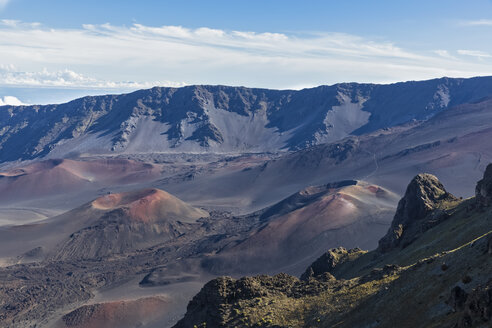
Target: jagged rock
(475, 307)
(210, 304)
(483, 191)
(421, 208)
(207, 133)
(457, 299)
(328, 261)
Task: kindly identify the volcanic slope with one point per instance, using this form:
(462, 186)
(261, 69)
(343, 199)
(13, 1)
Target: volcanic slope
(143, 312)
(131, 221)
(64, 176)
(223, 119)
(111, 224)
(433, 268)
(293, 232)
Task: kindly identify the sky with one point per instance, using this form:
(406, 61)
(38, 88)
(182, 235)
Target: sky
(56, 50)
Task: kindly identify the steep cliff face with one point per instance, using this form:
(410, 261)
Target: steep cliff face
(223, 119)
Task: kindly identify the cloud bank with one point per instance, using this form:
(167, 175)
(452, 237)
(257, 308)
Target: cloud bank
(139, 56)
(11, 76)
(11, 101)
(479, 22)
(474, 53)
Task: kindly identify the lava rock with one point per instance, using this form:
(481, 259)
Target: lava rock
(483, 191)
(328, 261)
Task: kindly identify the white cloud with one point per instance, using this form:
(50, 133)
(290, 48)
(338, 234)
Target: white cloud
(474, 53)
(9, 76)
(479, 22)
(102, 56)
(444, 54)
(11, 101)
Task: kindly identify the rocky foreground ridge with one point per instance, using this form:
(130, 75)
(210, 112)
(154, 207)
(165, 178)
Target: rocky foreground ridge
(432, 269)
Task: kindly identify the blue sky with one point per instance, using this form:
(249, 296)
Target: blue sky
(52, 51)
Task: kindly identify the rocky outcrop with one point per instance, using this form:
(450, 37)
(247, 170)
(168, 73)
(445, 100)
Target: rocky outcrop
(206, 134)
(211, 304)
(421, 208)
(483, 191)
(327, 262)
(478, 307)
(457, 298)
(475, 307)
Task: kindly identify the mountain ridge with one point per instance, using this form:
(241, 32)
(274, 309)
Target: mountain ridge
(224, 119)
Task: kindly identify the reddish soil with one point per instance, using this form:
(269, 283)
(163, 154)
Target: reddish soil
(122, 314)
